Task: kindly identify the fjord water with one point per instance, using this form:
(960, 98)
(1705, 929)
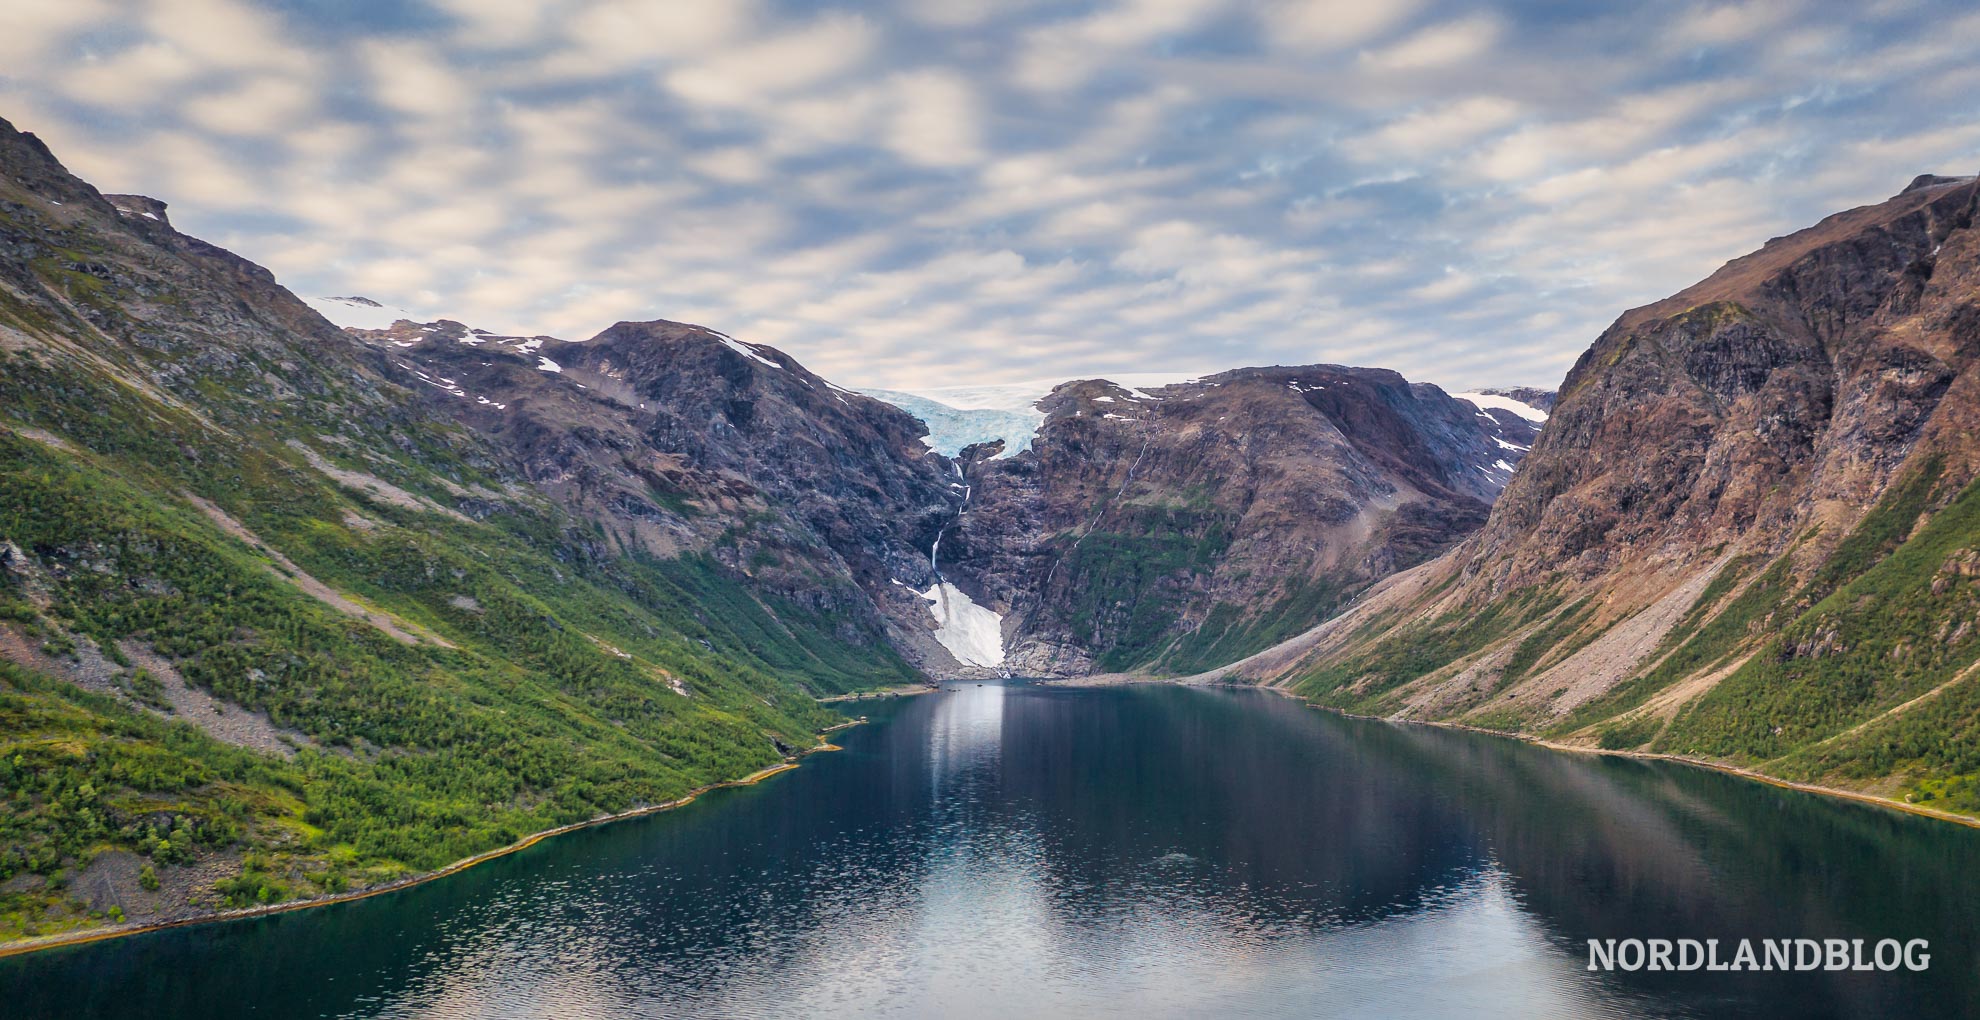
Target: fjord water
(1006, 851)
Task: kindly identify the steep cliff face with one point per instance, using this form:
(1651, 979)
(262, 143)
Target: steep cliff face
(1184, 526)
(1744, 533)
(1803, 373)
(675, 439)
(1168, 529)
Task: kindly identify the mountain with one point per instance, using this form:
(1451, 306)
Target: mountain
(675, 440)
(289, 609)
(279, 618)
(1748, 534)
(1181, 526)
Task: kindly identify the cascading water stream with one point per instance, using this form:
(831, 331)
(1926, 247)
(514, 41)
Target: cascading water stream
(973, 634)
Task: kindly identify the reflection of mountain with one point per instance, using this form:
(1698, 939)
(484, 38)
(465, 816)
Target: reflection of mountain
(1148, 852)
(965, 728)
(1228, 786)
(1604, 847)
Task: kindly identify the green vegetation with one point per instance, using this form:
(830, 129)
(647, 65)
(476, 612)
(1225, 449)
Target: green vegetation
(1900, 629)
(82, 775)
(1550, 638)
(1126, 588)
(1625, 734)
(539, 686)
(1407, 653)
(1228, 634)
(1697, 647)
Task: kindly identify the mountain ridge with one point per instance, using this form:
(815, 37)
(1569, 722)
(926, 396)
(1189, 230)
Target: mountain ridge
(1742, 537)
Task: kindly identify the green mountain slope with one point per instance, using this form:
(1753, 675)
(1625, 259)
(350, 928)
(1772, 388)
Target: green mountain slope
(1750, 534)
(274, 629)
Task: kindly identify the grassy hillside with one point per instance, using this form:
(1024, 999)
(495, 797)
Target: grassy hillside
(268, 630)
(1854, 668)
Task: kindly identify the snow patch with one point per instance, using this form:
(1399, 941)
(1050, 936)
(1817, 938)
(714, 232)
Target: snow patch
(971, 633)
(960, 416)
(741, 348)
(544, 364)
(355, 312)
(1493, 400)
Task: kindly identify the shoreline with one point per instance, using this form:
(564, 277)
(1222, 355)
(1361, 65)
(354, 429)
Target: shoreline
(1740, 771)
(1121, 680)
(104, 934)
(902, 691)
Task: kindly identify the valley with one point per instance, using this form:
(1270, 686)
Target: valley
(293, 607)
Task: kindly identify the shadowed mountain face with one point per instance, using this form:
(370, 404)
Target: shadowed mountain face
(1747, 533)
(1255, 501)
(675, 439)
(1184, 526)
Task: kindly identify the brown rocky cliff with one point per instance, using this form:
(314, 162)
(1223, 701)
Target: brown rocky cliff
(1672, 566)
(678, 439)
(1805, 368)
(1168, 528)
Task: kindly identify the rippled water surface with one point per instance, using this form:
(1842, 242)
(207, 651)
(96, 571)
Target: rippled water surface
(1003, 851)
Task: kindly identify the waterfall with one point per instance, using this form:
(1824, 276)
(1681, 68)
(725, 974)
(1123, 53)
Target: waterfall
(934, 551)
(973, 634)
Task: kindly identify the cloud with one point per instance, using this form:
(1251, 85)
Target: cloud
(612, 35)
(38, 36)
(775, 66)
(261, 104)
(1439, 129)
(1438, 45)
(935, 119)
(910, 194)
(1326, 25)
(414, 78)
(1064, 54)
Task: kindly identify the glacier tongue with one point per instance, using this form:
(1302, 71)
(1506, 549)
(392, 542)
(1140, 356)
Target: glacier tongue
(951, 429)
(971, 633)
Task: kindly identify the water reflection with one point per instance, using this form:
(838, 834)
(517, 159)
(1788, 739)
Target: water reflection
(1151, 852)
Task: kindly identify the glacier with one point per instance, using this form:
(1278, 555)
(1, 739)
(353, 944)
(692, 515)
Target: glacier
(953, 429)
(961, 416)
(971, 633)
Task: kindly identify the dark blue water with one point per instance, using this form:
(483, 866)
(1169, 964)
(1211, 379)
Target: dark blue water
(1146, 852)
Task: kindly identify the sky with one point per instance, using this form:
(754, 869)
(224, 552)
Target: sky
(927, 193)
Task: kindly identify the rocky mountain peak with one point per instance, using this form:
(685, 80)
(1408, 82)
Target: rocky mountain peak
(1739, 533)
(139, 206)
(1932, 181)
(1173, 524)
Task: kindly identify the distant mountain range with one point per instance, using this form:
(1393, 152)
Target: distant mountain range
(680, 440)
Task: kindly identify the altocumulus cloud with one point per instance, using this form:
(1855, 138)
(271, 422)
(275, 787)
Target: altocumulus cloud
(914, 194)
